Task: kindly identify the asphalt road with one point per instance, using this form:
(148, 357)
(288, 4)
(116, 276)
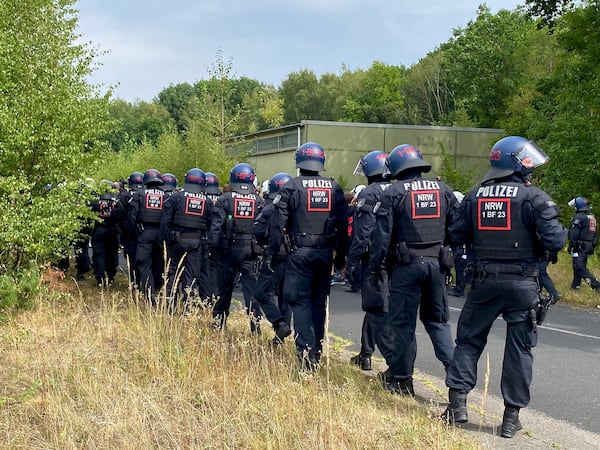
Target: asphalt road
(566, 379)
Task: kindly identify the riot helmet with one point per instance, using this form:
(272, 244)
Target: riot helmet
(402, 158)
(152, 177)
(136, 181)
(514, 154)
(194, 181)
(373, 163)
(169, 182)
(241, 178)
(580, 204)
(212, 183)
(310, 156)
(278, 180)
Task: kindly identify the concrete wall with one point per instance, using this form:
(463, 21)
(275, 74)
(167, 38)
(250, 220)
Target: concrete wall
(345, 143)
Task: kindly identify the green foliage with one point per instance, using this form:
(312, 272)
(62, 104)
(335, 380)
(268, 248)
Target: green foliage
(18, 290)
(343, 182)
(51, 121)
(458, 180)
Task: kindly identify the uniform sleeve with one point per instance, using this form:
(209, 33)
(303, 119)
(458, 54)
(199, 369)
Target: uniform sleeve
(167, 216)
(261, 225)
(552, 234)
(382, 231)
(364, 222)
(219, 217)
(460, 229)
(279, 218)
(451, 211)
(340, 215)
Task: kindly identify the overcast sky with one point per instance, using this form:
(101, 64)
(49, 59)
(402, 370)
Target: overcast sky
(154, 43)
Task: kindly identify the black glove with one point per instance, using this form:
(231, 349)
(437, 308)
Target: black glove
(269, 263)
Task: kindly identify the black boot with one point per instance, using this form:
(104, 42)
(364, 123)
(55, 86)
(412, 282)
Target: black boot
(364, 362)
(510, 422)
(456, 412)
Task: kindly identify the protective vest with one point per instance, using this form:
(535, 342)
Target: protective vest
(315, 195)
(497, 216)
(588, 233)
(152, 205)
(106, 206)
(191, 210)
(242, 212)
(422, 215)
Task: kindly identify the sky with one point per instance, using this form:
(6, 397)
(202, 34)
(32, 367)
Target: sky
(148, 45)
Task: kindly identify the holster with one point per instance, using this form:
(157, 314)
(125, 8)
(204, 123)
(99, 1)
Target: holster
(446, 258)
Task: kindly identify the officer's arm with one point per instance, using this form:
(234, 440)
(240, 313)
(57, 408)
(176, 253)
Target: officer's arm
(260, 228)
(166, 217)
(219, 217)
(451, 211)
(364, 222)
(341, 225)
(460, 229)
(382, 231)
(550, 231)
(279, 220)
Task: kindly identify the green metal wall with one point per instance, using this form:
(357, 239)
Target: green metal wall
(345, 143)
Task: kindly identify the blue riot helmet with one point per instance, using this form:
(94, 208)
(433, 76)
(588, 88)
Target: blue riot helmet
(169, 182)
(136, 181)
(402, 158)
(310, 156)
(241, 178)
(212, 183)
(514, 154)
(278, 180)
(581, 204)
(152, 177)
(373, 163)
(194, 181)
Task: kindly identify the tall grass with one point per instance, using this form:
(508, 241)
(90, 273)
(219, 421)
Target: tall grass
(99, 370)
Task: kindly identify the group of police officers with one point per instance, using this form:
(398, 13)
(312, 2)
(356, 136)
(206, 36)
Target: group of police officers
(282, 246)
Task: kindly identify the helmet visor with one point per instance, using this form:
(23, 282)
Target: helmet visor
(358, 171)
(530, 155)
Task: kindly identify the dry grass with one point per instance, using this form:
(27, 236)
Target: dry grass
(98, 371)
(562, 275)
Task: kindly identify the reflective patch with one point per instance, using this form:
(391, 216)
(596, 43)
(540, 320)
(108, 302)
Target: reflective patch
(360, 203)
(376, 207)
(276, 199)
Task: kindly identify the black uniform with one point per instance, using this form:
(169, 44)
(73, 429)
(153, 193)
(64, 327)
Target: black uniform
(212, 261)
(270, 278)
(184, 227)
(375, 329)
(509, 225)
(232, 239)
(583, 237)
(105, 237)
(411, 227)
(312, 209)
(145, 215)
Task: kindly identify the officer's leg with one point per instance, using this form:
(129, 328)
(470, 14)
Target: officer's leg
(297, 291)
(284, 307)
(405, 295)
(265, 294)
(174, 265)
(321, 282)
(482, 306)
(367, 337)
(158, 261)
(190, 282)
(99, 253)
(578, 266)
(143, 259)
(226, 274)
(434, 315)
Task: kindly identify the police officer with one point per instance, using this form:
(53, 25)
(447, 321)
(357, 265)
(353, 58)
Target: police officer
(270, 277)
(128, 233)
(374, 304)
(105, 238)
(313, 211)
(231, 237)
(583, 238)
(185, 222)
(412, 217)
(146, 214)
(509, 223)
(169, 183)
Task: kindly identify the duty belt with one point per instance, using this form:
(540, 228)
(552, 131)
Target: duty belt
(309, 240)
(242, 236)
(525, 270)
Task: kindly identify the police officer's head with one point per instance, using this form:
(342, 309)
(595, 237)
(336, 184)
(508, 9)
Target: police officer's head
(371, 165)
(194, 181)
(581, 204)
(241, 178)
(278, 180)
(136, 181)
(212, 183)
(310, 157)
(152, 178)
(169, 182)
(405, 160)
(514, 155)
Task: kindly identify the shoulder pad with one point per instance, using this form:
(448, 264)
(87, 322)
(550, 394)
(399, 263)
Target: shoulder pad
(544, 205)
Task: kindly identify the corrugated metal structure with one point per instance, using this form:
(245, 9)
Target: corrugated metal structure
(272, 151)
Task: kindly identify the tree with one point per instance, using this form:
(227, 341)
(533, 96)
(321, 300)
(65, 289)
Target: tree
(51, 122)
(548, 10)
